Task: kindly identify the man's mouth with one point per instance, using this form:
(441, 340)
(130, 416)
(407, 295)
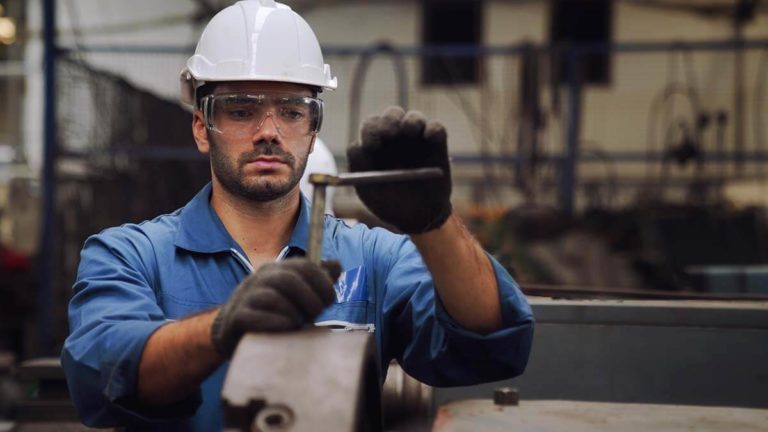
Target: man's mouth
(266, 162)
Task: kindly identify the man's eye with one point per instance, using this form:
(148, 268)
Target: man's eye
(294, 114)
(240, 114)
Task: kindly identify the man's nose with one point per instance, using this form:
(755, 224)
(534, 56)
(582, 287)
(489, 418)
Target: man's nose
(268, 126)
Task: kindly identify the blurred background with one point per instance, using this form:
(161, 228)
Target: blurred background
(599, 147)
(595, 144)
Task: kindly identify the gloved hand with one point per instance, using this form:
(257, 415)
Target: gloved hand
(280, 296)
(396, 140)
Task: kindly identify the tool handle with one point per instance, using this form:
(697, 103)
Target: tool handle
(368, 177)
(316, 224)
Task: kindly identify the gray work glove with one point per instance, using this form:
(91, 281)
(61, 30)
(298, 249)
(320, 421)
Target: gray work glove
(280, 296)
(396, 140)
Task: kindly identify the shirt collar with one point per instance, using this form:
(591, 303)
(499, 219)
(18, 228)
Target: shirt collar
(202, 231)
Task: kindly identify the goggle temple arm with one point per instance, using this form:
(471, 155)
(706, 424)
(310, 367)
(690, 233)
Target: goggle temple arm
(319, 116)
(206, 106)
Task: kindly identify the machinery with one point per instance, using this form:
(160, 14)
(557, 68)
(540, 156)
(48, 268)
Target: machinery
(596, 365)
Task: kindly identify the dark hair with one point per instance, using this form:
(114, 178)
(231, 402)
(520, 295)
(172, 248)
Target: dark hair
(203, 91)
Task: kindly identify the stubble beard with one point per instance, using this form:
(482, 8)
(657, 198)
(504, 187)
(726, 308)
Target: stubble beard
(232, 178)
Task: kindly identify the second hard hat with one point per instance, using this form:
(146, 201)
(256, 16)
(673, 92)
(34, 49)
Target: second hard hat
(256, 40)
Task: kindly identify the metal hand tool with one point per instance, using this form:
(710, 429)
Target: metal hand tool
(321, 181)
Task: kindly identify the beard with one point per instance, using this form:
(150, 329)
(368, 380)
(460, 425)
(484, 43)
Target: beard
(262, 188)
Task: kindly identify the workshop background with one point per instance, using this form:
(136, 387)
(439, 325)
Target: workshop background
(601, 149)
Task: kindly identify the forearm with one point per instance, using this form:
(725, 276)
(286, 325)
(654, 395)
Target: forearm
(463, 275)
(176, 360)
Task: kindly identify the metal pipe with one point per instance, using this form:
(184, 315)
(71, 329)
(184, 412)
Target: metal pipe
(569, 165)
(369, 177)
(47, 253)
(164, 152)
(460, 50)
(317, 222)
(738, 97)
(358, 80)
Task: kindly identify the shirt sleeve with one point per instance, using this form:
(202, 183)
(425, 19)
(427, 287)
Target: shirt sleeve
(430, 345)
(112, 314)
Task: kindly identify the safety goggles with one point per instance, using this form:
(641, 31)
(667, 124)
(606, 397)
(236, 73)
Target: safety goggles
(242, 115)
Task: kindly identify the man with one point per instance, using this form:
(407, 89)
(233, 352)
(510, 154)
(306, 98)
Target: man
(159, 307)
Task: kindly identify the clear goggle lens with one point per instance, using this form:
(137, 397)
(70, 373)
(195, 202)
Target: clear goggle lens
(242, 115)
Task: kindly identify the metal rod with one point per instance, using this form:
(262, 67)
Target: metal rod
(568, 168)
(738, 97)
(368, 177)
(457, 50)
(47, 239)
(317, 224)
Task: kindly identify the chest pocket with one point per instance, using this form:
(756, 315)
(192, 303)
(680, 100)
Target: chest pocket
(199, 282)
(354, 309)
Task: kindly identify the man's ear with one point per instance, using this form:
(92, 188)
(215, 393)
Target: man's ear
(200, 133)
(312, 143)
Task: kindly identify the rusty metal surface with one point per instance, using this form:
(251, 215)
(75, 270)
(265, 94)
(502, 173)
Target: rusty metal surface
(309, 380)
(572, 416)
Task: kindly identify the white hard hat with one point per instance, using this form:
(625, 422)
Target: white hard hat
(256, 40)
(320, 161)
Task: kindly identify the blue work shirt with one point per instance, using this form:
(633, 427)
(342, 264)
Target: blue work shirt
(135, 278)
